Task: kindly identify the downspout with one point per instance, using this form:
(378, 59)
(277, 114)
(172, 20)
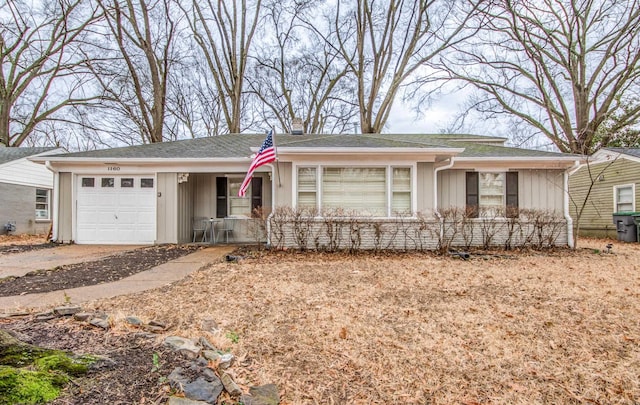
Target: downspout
(435, 193)
(54, 198)
(567, 173)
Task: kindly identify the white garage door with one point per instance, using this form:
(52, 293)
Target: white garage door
(116, 209)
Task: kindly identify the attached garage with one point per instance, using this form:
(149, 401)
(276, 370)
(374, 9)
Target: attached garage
(115, 209)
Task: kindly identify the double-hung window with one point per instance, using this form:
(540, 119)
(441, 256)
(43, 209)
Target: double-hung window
(367, 191)
(624, 198)
(492, 192)
(43, 196)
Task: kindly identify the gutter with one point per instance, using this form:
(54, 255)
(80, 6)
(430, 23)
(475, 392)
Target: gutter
(54, 200)
(567, 173)
(435, 182)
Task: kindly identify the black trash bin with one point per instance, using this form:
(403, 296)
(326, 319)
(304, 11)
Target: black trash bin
(626, 226)
(636, 219)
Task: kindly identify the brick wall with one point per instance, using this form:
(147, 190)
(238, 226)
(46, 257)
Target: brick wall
(18, 204)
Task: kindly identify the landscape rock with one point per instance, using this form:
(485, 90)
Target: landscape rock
(100, 323)
(262, 395)
(102, 363)
(82, 316)
(229, 385)
(158, 324)
(67, 310)
(206, 344)
(209, 374)
(226, 360)
(45, 316)
(183, 346)
(153, 329)
(133, 320)
(212, 355)
(177, 379)
(203, 390)
(184, 401)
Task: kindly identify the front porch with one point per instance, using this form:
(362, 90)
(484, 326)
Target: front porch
(209, 210)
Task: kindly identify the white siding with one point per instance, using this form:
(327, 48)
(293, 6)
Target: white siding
(26, 173)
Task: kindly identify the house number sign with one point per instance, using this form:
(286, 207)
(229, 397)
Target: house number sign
(113, 168)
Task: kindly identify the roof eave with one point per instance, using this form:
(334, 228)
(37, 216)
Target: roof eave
(383, 151)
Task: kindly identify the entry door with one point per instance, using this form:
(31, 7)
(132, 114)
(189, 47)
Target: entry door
(116, 209)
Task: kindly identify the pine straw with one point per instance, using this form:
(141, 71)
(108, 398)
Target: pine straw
(561, 327)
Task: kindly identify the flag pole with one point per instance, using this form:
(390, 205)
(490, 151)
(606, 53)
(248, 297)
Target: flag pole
(273, 139)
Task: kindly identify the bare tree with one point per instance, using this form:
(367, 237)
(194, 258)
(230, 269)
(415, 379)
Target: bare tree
(564, 67)
(297, 75)
(224, 32)
(193, 104)
(42, 72)
(385, 43)
(134, 74)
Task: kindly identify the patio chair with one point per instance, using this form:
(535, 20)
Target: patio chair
(199, 224)
(228, 224)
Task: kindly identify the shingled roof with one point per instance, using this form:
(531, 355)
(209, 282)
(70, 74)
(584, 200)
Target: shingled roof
(10, 154)
(239, 146)
(635, 152)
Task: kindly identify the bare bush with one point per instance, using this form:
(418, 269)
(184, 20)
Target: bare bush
(303, 223)
(257, 226)
(280, 218)
(513, 226)
(490, 225)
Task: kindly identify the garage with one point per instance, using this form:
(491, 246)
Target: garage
(115, 209)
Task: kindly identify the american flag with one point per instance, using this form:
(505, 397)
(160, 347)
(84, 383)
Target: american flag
(266, 154)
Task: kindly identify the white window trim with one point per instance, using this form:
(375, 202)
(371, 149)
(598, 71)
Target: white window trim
(633, 197)
(49, 194)
(389, 180)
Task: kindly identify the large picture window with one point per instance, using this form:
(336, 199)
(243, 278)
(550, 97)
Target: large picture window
(368, 191)
(42, 203)
(624, 198)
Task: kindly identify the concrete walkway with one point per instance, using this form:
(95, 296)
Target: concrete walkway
(156, 277)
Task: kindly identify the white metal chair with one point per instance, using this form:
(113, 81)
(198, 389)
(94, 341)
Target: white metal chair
(199, 224)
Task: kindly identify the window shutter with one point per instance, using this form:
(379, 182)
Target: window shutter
(472, 181)
(221, 197)
(256, 194)
(512, 194)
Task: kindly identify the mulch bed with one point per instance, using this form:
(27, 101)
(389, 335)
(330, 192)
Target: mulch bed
(105, 270)
(19, 248)
(134, 378)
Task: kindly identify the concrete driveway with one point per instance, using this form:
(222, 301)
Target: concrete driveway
(19, 264)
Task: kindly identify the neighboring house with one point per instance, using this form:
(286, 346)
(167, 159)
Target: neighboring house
(25, 191)
(151, 193)
(613, 174)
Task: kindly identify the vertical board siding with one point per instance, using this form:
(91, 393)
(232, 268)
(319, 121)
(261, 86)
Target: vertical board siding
(541, 190)
(424, 191)
(167, 215)
(283, 184)
(185, 211)
(65, 208)
(537, 189)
